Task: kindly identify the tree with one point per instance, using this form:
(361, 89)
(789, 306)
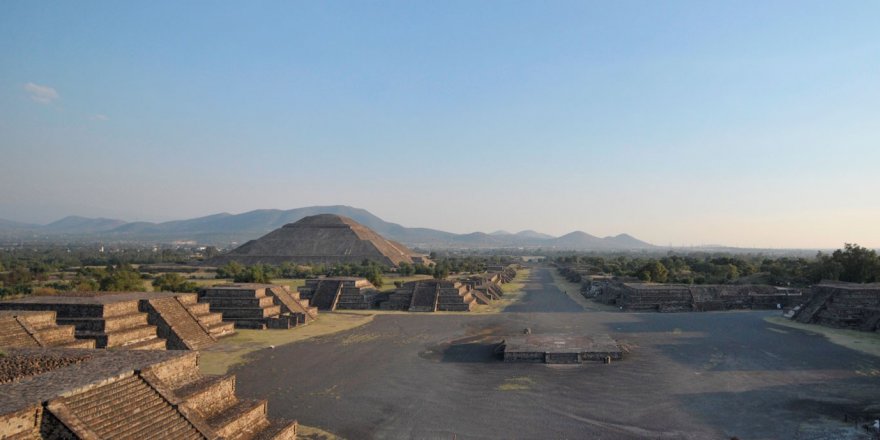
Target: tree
(122, 278)
(230, 270)
(654, 271)
(375, 276)
(174, 282)
(253, 274)
(858, 264)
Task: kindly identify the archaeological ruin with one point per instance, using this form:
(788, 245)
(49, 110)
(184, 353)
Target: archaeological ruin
(51, 393)
(333, 293)
(658, 297)
(843, 305)
(432, 296)
(325, 239)
(259, 306)
(132, 320)
(559, 348)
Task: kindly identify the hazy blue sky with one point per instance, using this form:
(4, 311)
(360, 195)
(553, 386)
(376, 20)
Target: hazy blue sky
(742, 123)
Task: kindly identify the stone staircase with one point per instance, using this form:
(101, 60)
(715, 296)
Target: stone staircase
(210, 402)
(37, 329)
(455, 297)
(291, 303)
(326, 295)
(424, 297)
(127, 408)
(174, 322)
(248, 306)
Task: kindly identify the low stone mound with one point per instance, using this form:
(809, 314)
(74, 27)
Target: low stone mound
(684, 298)
(331, 293)
(560, 348)
(259, 306)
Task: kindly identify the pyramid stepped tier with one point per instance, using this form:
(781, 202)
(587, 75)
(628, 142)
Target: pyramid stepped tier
(843, 305)
(213, 322)
(326, 295)
(94, 394)
(325, 238)
(110, 320)
(453, 296)
(253, 306)
(37, 329)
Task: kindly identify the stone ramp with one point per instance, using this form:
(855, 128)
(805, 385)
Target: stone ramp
(127, 408)
(326, 295)
(291, 303)
(424, 298)
(177, 324)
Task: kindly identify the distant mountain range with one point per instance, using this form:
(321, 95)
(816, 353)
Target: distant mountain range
(224, 229)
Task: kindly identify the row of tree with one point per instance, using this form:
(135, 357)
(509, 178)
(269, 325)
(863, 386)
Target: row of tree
(852, 263)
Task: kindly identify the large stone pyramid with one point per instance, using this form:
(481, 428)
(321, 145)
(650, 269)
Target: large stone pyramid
(323, 238)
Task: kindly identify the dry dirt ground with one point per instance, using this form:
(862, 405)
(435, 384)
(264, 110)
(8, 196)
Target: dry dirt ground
(688, 376)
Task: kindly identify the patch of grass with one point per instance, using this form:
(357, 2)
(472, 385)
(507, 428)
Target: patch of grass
(520, 383)
(865, 342)
(313, 433)
(232, 350)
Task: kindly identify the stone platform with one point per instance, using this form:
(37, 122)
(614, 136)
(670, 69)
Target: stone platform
(132, 320)
(559, 348)
(93, 394)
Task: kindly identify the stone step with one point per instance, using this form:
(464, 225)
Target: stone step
(221, 329)
(56, 334)
(248, 313)
(209, 318)
(210, 294)
(109, 324)
(188, 298)
(120, 337)
(199, 308)
(77, 343)
(39, 320)
(30, 434)
(209, 395)
(242, 420)
(253, 324)
(278, 429)
(264, 301)
(147, 344)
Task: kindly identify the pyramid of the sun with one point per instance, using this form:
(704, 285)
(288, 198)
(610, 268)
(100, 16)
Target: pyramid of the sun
(324, 238)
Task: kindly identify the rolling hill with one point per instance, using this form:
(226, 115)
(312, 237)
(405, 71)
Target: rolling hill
(226, 228)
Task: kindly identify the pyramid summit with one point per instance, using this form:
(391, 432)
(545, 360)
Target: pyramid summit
(322, 238)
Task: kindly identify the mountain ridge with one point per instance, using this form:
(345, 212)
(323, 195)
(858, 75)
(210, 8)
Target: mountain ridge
(225, 228)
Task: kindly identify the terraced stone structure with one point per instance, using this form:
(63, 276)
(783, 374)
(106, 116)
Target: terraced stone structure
(98, 394)
(259, 306)
(324, 238)
(333, 293)
(682, 297)
(843, 305)
(560, 349)
(432, 296)
(37, 329)
(132, 320)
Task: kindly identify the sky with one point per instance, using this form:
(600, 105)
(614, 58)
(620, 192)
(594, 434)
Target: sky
(743, 123)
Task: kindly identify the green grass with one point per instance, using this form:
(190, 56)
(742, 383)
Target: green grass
(233, 350)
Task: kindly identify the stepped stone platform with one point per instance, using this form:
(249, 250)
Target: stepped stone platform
(97, 394)
(132, 320)
(843, 305)
(333, 293)
(559, 348)
(37, 329)
(431, 296)
(682, 297)
(259, 306)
